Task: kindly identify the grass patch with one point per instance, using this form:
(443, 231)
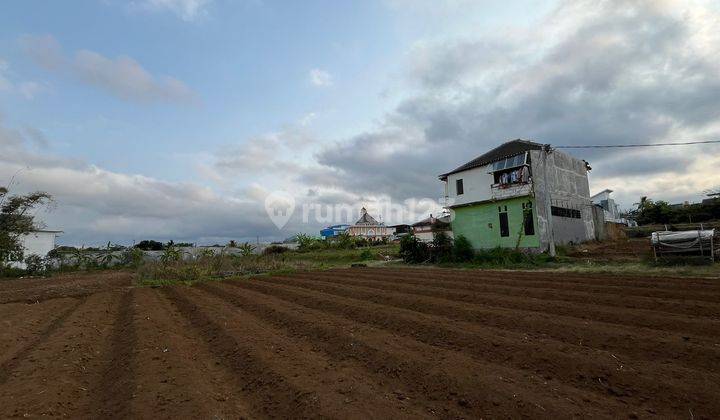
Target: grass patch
(218, 267)
(649, 269)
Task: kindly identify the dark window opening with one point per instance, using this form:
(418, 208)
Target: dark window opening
(511, 171)
(512, 177)
(528, 221)
(504, 225)
(563, 212)
(459, 186)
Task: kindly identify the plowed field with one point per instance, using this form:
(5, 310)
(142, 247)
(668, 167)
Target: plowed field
(362, 343)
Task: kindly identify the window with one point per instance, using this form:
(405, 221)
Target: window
(516, 175)
(528, 219)
(459, 186)
(504, 225)
(563, 212)
(509, 163)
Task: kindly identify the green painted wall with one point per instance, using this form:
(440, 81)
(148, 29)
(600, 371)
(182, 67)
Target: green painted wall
(480, 223)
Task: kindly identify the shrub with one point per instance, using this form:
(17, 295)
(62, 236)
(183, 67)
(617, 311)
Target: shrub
(413, 250)
(246, 248)
(309, 243)
(171, 254)
(36, 265)
(274, 249)
(442, 246)
(501, 257)
(367, 254)
(361, 241)
(11, 272)
(344, 241)
(462, 250)
(132, 257)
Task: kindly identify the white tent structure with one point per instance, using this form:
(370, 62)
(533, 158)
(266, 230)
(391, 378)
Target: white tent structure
(690, 241)
(38, 242)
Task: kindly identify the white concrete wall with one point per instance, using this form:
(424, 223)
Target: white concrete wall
(477, 184)
(428, 236)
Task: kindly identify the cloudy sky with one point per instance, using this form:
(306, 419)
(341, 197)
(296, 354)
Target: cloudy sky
(174, 119)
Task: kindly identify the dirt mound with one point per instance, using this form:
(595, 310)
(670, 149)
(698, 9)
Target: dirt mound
(364, 342)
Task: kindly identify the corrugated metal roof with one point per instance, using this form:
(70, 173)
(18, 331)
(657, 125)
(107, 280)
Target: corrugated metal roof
(508, 149)
(442, 220)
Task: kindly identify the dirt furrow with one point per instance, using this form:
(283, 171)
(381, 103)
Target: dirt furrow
(637, 343)
(682, 302)
(53, 288)
(444, 381)
(341, 390)
(66, 280)
(56, 378)
(177, 378)
(688, 327)
(600, 373)
(267, 393)
(612, 281)
(116, 387)
(22, 325)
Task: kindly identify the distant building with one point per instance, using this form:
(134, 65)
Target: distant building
(400, 231)
(425, 229)
(368, 227)
(501, 197)
(332, 231)
(610, 208)
(38, 242)
(713, 200)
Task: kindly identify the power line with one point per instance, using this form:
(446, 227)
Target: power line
(607, 146)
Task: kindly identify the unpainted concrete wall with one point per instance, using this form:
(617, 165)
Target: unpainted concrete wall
(564, 179)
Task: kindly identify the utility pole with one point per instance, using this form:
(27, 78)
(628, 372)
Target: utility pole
(548, 205)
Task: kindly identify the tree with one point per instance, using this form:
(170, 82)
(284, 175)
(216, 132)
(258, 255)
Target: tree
(16, 220)
(649, 212)
(150, 245)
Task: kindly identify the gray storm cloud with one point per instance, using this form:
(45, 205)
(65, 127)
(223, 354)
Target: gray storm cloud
(612, 72)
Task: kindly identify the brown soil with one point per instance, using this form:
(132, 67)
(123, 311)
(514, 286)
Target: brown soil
(618, 250)
(362, 343)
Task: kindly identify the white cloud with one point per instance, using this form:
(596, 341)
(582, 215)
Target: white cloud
(28, 89)
(45, 50)
(308, 119)
(187, 10)
(127, 79)
(320, 78)
(94, 205)
(123, 76)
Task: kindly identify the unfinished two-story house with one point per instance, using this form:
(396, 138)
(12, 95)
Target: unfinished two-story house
(520, 194)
